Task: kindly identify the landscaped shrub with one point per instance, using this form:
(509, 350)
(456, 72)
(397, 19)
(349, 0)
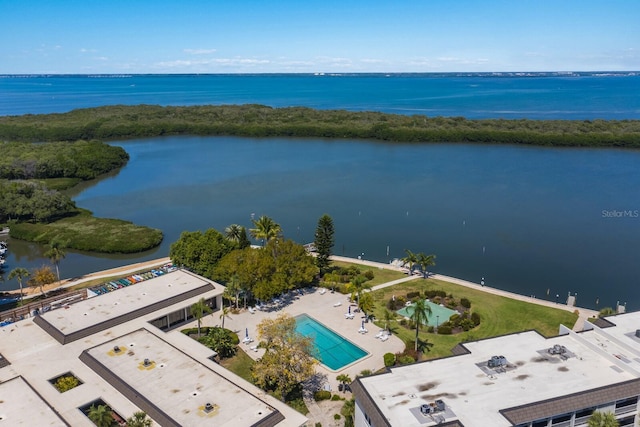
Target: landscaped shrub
(318, 424)
(66, 382)
(432, 293)
(396, 303)
(444, 330)
(475, 318)
(336, 397)
(430, 329)
(365, 373)
(336, 416)
(403, 322)
(322, 395)
(465, 303)
(389, 359)
(454, 319)
(369, 275)
(412, 295)
(467, 324)
(406, 360)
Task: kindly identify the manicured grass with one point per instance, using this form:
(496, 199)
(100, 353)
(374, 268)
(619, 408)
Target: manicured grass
(380, 275)
(499, 315)
(240, 364)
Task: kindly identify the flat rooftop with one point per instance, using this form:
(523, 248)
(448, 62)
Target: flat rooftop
(69, 323)
(18, 398)
(474, 393)
(177, 383)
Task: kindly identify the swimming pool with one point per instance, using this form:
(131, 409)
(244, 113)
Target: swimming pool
(439, 314)
(331, 349)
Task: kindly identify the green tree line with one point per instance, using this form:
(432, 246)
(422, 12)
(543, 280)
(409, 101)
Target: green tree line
(32, 201)
(121, 122)
(80, 159)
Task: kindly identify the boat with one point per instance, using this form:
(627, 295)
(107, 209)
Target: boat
(4, 231)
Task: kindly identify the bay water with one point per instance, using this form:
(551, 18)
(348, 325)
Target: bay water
(532, 220)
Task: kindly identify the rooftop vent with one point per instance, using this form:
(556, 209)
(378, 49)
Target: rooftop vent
(116, 349)
(557, 349)
(497, 361)
(146, 363)
(208, 407)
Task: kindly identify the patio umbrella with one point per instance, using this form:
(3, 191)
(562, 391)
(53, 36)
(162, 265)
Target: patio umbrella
(349, 309)
(362, 325)
(246, 332)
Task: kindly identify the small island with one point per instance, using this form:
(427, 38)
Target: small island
(32, 178)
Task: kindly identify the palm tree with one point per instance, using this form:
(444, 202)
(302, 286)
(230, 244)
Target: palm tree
(237, 234)
(19, 273)
(223, 314)
(410, 259)
(100, 415)
(420, 315)
(425, 261)
(265, 229)
(344, 379)
(139, 419)
(56, 254)
(233, 232)
(233, 288)
(388, 317)
(602, 419)
(199, 309)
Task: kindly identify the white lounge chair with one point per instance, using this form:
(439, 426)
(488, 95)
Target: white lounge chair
(252, 310)
(323, 291)
(384, 337)
(349, 315)
(254, 348)
(338, 304)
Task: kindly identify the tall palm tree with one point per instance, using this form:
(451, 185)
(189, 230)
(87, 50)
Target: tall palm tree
(425, 261)
(388, 317)
(199, 309)
(236, 233)
(265, 229)
(19, 273)
(602, 419)
(410, 259)
(420, 315)
(56, 254)
(224, 313)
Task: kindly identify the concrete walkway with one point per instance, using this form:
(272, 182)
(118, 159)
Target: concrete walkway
(583, 313)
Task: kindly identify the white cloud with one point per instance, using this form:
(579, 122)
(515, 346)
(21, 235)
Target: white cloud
(199, 51)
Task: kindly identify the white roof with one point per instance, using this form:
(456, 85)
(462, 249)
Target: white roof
(177, 383)
(474, 394)
(98, 309)
(37, 357)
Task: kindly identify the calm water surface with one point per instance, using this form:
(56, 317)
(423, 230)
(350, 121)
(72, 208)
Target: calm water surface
(529, 220)
(526, 219)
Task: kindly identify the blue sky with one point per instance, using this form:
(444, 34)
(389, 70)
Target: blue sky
(220, 36)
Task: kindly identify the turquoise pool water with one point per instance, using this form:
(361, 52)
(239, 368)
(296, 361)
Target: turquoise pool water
(330, 348)
(438, 314)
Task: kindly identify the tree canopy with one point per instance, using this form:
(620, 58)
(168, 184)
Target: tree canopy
(31, 201)
(287, 359)
(80, 159)
(324, 241)
(122, 121)
(200, 252)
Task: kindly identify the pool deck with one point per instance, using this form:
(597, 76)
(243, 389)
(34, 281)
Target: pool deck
(321, 308)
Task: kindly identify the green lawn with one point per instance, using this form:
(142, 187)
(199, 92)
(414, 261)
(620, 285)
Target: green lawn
(380, 275)
(499, 315)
